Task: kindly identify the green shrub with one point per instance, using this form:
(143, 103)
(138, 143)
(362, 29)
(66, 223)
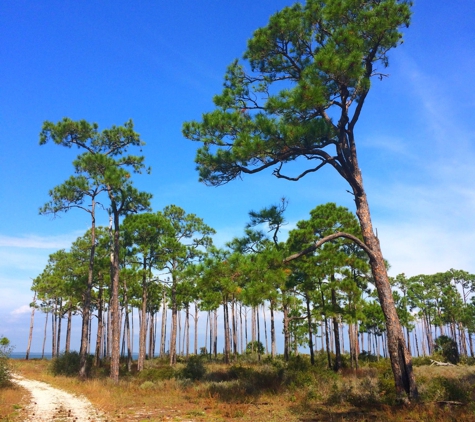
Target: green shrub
(147, 385)
(255, 347)
(157, 374)
(68, 364)
(441, 388)
(5, 370)
(447, 347)
(421, 361)
(194, 368)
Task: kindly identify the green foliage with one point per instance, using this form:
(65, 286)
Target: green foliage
(194, 368)
(255, 347)
(311, 61)
(68, 364)
(5, 369)
(447, 347)
(147, 385)
(443, 388)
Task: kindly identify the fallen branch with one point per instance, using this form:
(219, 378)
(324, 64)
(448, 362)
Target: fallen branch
(437, 363)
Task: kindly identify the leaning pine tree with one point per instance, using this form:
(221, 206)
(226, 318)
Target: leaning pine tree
(310, 73)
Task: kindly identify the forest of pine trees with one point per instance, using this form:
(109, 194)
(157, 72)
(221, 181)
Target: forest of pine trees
(180, 295)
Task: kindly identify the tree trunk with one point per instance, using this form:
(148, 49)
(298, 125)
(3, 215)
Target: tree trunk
(44, 336)
(30, 335)
(336, 330)
(151, 336)
(187, 330)
(227, 343)
(58, 343)
(115, 312)
(68, 330)
(143, 317)
(53, 330)
(265, 328)
(174, 322)
(272, 332)
(196, 316)
(215, 334)
(163, 333)
(97, 352)
(310, 333)
(401, 361)
(286, 333)
(87, 297)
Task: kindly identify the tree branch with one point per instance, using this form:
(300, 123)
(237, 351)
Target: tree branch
(333, 236)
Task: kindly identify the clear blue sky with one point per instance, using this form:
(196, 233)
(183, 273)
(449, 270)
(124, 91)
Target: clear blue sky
(160, 63)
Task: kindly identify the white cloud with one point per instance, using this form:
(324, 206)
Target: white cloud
(24, 309)
(38, 242)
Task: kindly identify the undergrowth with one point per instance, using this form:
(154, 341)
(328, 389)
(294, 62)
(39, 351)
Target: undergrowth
(273, 389)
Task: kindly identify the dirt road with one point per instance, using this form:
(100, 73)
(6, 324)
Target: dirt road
(49, 404)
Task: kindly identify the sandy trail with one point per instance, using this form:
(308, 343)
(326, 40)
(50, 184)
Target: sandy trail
(49, 404)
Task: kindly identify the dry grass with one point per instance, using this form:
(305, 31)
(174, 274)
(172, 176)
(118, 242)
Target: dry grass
(256, 394)
(13, 400)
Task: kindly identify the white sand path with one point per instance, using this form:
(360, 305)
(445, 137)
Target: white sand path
(49, 404)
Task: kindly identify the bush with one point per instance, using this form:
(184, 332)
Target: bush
(447, 347)
(5, 370)
(194, 368)
(68, 364)
(255, 347)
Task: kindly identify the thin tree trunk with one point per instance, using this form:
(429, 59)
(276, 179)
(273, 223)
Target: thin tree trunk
(265, 328)
(196, 316)
(187, 330)
(272, 332)
(163, 333)
(87, 297)
(58, 343)
(97, 353)
(310, 332)
(215, 334)
(115, 312)
(336, 331)
(68, 330)
(227, 343)
(30, 335)
(234, 316)
(53, 330)
(44, 336)
(174, 322)
(143, 316)
(286, 333)
(151, 336)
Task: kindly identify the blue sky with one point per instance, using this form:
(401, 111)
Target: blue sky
(160, 63)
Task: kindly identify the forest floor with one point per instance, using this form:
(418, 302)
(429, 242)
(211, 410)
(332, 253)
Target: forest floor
(243, 393)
